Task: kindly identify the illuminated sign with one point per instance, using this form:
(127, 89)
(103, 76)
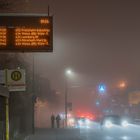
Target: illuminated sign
(3, 34)
(26, 33)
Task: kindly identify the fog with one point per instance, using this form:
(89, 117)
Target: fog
(98, 40)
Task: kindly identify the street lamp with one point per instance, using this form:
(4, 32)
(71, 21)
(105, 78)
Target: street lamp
(68, 72)
(122, 85)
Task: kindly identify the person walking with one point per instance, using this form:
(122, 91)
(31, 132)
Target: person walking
(53, 121)
(58, 121)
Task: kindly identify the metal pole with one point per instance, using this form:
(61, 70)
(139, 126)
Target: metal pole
(7, 118)
(66, 111)
(48, 10)
(33, 126)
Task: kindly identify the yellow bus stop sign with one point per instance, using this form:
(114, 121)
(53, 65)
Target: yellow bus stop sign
(16, 75)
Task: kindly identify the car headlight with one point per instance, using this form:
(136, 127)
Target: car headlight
(124, 123)
(108, 124)
(80, 122)
(71, 120)
(87, 121)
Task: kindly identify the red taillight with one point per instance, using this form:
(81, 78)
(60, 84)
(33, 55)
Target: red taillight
(87, 115)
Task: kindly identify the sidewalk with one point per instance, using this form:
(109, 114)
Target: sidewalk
(55, 134)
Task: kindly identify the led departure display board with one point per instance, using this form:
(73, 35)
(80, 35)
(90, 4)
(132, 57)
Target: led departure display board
(26, 33)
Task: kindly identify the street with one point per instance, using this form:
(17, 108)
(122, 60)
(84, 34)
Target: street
(55, 134)
(116, 133)
(93, 133)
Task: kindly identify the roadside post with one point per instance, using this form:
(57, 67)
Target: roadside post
(7, 118)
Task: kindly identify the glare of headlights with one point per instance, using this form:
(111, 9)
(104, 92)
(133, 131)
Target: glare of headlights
(87, 127)
(80, 122)
(124, 123)
(71, 120)
(87, 121)
(108, 124)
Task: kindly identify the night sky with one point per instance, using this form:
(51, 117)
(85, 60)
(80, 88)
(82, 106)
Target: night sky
(98, 39)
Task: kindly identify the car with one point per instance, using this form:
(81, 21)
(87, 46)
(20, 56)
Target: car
(83, 123)
(111, 120)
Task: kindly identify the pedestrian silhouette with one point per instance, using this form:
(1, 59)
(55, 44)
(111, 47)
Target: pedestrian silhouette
(58, 121)
(52, 120)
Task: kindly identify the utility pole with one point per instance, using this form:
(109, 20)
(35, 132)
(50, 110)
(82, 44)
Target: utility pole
(33, 96)
(7, 118)
(66, 98)
(68, 72)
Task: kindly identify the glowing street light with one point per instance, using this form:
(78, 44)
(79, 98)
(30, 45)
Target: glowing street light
(68, 72)
(122, 85)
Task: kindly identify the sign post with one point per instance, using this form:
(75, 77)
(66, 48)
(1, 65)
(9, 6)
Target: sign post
(16, 80)
(7, 118)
